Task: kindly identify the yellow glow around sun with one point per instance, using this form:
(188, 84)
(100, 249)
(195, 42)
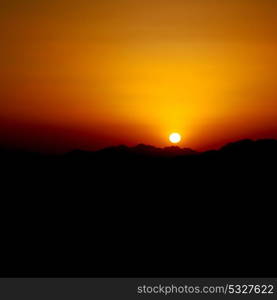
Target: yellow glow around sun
(175, 138)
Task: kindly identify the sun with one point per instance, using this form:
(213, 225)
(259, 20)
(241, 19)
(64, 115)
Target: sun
(175, 137)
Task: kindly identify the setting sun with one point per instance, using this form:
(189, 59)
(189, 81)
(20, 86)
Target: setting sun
(175, 138)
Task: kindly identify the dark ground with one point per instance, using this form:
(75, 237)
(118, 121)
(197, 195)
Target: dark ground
(140, 212)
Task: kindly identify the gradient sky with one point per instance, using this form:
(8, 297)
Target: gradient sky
(89, 74)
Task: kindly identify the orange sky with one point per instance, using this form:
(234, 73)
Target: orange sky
(92, 73)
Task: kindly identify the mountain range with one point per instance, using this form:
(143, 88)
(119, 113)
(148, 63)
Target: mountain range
(210, 213)
(241, 148)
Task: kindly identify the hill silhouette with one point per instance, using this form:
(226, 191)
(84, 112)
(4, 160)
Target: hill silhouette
(246, 148)
(140, 150)
(176, 212)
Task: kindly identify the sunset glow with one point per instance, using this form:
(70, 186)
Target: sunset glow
(98, 73)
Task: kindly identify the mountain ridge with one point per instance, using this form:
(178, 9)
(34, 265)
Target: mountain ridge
(243, 146)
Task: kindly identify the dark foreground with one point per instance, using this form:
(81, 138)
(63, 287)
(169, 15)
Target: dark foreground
(124, 212)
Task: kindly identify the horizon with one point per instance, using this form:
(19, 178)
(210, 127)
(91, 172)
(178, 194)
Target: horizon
(113, 146)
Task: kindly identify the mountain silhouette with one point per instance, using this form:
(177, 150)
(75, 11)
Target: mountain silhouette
(242, 147)
(141, 150)
(245, 148)
(175, 211)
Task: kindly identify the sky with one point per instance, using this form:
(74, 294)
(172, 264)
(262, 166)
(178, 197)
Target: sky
(95, 73)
